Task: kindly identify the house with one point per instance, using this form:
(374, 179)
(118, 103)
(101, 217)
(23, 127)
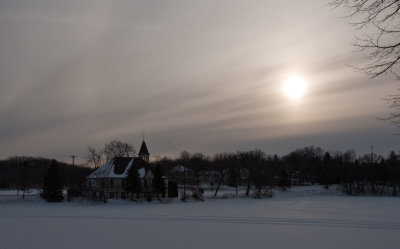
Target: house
(109, 181)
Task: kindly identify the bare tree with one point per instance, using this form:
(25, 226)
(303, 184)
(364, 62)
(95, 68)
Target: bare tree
(94, 157)
(195, 165)
(221, 163)
(379, 21)
(394, 103)
(249, 160)
(117, 148)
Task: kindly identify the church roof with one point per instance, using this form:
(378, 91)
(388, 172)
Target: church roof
(118, 167)
(120, 164)
(143, 150)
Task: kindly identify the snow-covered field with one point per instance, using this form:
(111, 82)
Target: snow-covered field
(303, 217)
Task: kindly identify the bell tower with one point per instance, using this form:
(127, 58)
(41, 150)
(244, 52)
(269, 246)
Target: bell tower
(144, 152)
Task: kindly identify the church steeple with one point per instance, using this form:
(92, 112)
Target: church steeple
(144, 152)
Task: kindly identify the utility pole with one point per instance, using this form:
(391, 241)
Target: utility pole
(73, 160)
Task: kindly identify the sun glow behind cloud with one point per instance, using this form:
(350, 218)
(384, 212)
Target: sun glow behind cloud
(295, 87)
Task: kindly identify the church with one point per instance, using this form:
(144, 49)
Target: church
(109, 181)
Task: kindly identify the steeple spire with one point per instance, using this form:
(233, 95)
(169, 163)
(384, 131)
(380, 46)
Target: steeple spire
(144, 152)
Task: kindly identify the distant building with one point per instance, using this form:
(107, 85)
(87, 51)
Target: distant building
(109, 181)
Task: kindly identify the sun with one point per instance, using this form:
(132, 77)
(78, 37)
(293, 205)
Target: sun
(295, 87)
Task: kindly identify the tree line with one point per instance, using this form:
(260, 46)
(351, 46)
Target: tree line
(251, 173)
(255, 173)
(24, 173)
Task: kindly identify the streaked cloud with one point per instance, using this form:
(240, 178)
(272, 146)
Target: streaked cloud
(197, 75)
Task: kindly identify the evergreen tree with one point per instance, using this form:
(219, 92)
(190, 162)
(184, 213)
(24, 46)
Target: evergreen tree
(52, 187)
(158, 181)
(133, 184)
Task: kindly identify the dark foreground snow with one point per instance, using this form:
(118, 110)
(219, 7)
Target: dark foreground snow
(302, 218)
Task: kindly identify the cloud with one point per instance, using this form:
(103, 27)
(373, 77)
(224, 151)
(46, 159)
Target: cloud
(202, 76)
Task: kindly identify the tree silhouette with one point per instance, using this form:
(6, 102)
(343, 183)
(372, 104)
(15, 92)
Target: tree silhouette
(379, 21)
(158, 181)
(133, 183)
(52, 187)
(117, 148)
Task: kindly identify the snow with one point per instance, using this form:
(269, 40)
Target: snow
(142, 172)
(107, 170)
(14, 192)
(302, 217)
(179, 168)
(103, 171)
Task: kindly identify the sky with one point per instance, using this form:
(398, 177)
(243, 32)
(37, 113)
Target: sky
(202, 76)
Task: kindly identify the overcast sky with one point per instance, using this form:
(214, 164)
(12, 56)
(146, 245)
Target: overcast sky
(203, 76)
